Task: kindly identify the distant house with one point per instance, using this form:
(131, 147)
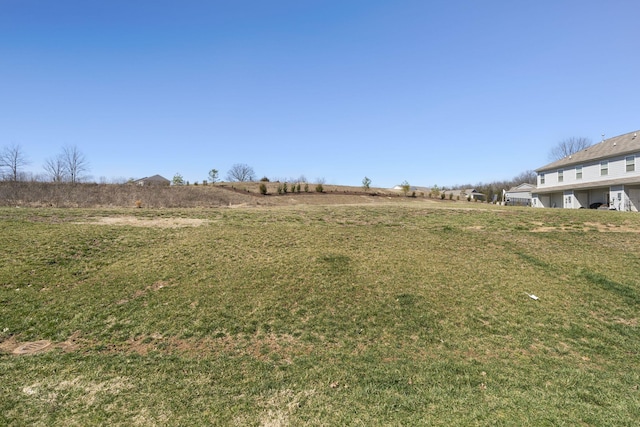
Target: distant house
(411, 188)
(519, 195)
(153, 180)
(473, 194)
(605, 174)
(466, 194)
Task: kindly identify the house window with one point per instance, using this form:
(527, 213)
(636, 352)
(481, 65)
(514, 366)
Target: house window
(604, 168)
(631, 163)
(541, 179)
(578, 172)
(560, 175)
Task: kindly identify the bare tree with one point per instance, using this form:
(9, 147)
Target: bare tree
(528, 177)
(13, 158)
(568, 147)
(74, 162)
(241, 172)
(54, 167)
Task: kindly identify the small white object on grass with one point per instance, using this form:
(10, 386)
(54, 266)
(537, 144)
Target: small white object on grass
(532, 296)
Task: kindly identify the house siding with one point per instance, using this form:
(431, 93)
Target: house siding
(619, 188)
(617, 168)
(519, 195)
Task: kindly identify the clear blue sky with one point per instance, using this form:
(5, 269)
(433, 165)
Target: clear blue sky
(430, 91)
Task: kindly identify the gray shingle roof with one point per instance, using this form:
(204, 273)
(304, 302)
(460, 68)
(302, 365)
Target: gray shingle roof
(154, 178)
(525, 186)
(618, 145)
(157, 178)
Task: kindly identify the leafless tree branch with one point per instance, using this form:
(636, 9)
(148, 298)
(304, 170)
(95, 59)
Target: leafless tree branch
(54, 167)
(12, 158)
(74, 162)
(241, 172)
(568, 147)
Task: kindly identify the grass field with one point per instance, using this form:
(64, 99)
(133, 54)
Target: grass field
(387, 314)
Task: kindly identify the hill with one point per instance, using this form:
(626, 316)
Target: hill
(34, 194)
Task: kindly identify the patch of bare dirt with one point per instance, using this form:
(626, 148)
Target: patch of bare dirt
(50, 388)
(32, 347)
(12, 345)
(155, 222)
(261, 347)
(610, 228)
(590, 226)
(548, 229)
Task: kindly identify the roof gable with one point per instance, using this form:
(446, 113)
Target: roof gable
(525, 186)
(616, 146)
(157, 178)
(154, 178)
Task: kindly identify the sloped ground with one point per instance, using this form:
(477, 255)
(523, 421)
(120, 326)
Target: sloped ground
(34, 194)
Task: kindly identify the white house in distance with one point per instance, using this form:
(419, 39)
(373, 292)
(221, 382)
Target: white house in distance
(519, 195)
(605, 174)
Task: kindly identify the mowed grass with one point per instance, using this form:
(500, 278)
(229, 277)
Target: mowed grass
(398, 314)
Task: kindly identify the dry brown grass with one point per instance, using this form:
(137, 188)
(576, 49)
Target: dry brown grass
(243, 194)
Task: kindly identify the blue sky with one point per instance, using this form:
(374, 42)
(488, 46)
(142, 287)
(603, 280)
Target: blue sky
(433, 92)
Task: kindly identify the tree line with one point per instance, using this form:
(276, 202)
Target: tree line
(70, 165)
(562, 149)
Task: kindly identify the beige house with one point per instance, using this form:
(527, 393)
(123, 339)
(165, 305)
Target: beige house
(466, 194)
(605, 174)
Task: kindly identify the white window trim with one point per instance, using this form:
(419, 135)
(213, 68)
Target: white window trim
(632, 164)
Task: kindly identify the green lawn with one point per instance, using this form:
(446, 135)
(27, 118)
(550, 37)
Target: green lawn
(398, 314)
